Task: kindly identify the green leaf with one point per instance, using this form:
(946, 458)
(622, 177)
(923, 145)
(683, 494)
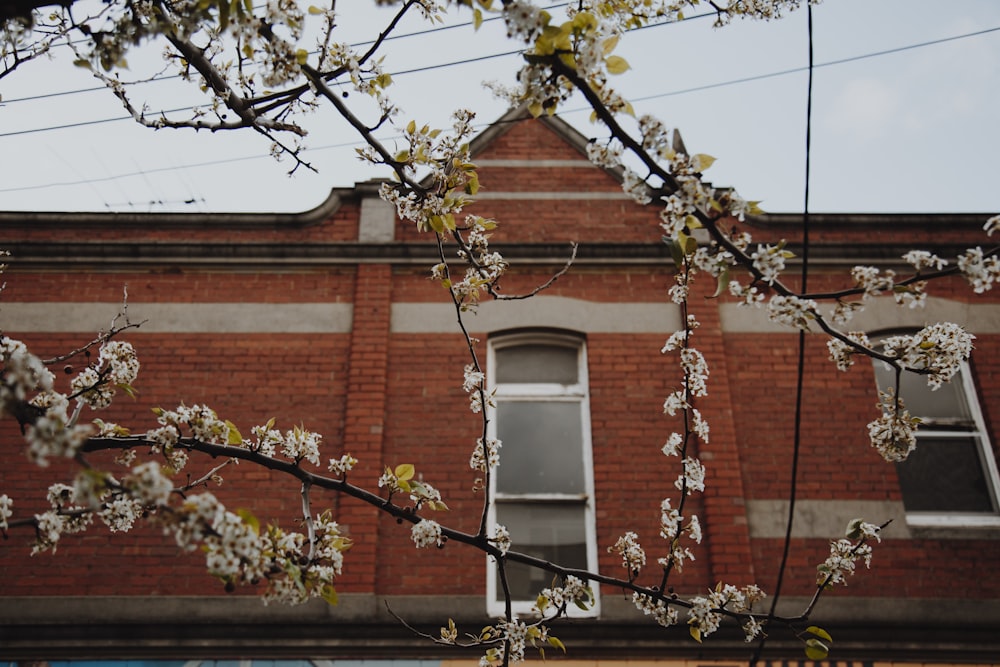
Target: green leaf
(234, 437)
(249, 519)
(477, 18)
(704, 161)
(556, 643)
(301, 56)
(816, 650)
(313, 9)
(819, 632)
(722, 283)
(127, 388)
(329, 594)
(404, 471)
(695, 632)
(616, 65)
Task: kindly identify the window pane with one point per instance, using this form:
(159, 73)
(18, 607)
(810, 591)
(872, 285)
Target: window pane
(944, 475)
(542, 449)
(554, 532)
(537, 363)
(946, 404)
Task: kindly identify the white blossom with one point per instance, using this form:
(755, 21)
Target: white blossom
(923, 259)
(992, 225)
(342, 465)
(426, 533)
(673, 445)
(693, 478)
(791, 311)
(501, 538)
(633, 556)
(5, 510)
(841, 353)
(659, 610)
(479, 461)
(894, 433)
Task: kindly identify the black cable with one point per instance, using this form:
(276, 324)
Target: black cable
(801, 361)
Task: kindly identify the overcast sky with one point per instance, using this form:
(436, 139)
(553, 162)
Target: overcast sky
(916, 129)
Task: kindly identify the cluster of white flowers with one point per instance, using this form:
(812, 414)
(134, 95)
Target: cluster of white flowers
(342, 465)
(200, 420)
(149, 484)
(749, 295)
(673, 445)
(607, 155)
(705, 613)
(300, 444)
(426, 533)
(633, 556)
(501, 538)
(574, 591)
(664, 614)
(791, 311)
(872, 280)
(981, 271)
(693, 478)
(699, 425)
(120, 513)
(695, 372)
(117, 366)
(842, 561)
(480, 460)
(841, 353)
(515, 633)
(5, 511)
(635, 187)
(923, 259)
(894, 433)
(675, 402)
(938, 349)
(769, 261)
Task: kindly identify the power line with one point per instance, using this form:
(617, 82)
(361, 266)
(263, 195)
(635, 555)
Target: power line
(684, 91)
(171, 77)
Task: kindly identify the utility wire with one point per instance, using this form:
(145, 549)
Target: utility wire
(800, 362)
(684, 91)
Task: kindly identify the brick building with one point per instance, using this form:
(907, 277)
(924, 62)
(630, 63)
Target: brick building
(328, 319)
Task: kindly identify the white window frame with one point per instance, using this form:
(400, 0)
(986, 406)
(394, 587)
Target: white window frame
(978, 433)
(537, 391)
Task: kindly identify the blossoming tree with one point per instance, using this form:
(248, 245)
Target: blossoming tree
(257, 74)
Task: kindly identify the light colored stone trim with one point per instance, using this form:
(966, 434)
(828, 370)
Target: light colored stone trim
(825, 519)
(540, 311)
(377, 222)
(881, 313)
(292, 318)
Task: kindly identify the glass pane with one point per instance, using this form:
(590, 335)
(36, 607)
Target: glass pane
(542, 450)
(537, 363)
(556, 533)
(946, 404)
(945, 475)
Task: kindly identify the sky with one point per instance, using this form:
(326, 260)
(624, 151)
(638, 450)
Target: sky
(905, 114)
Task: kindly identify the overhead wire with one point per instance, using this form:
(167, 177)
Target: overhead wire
(720, 84)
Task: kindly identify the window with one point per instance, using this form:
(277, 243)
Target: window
(543, 490)
(950, 479)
